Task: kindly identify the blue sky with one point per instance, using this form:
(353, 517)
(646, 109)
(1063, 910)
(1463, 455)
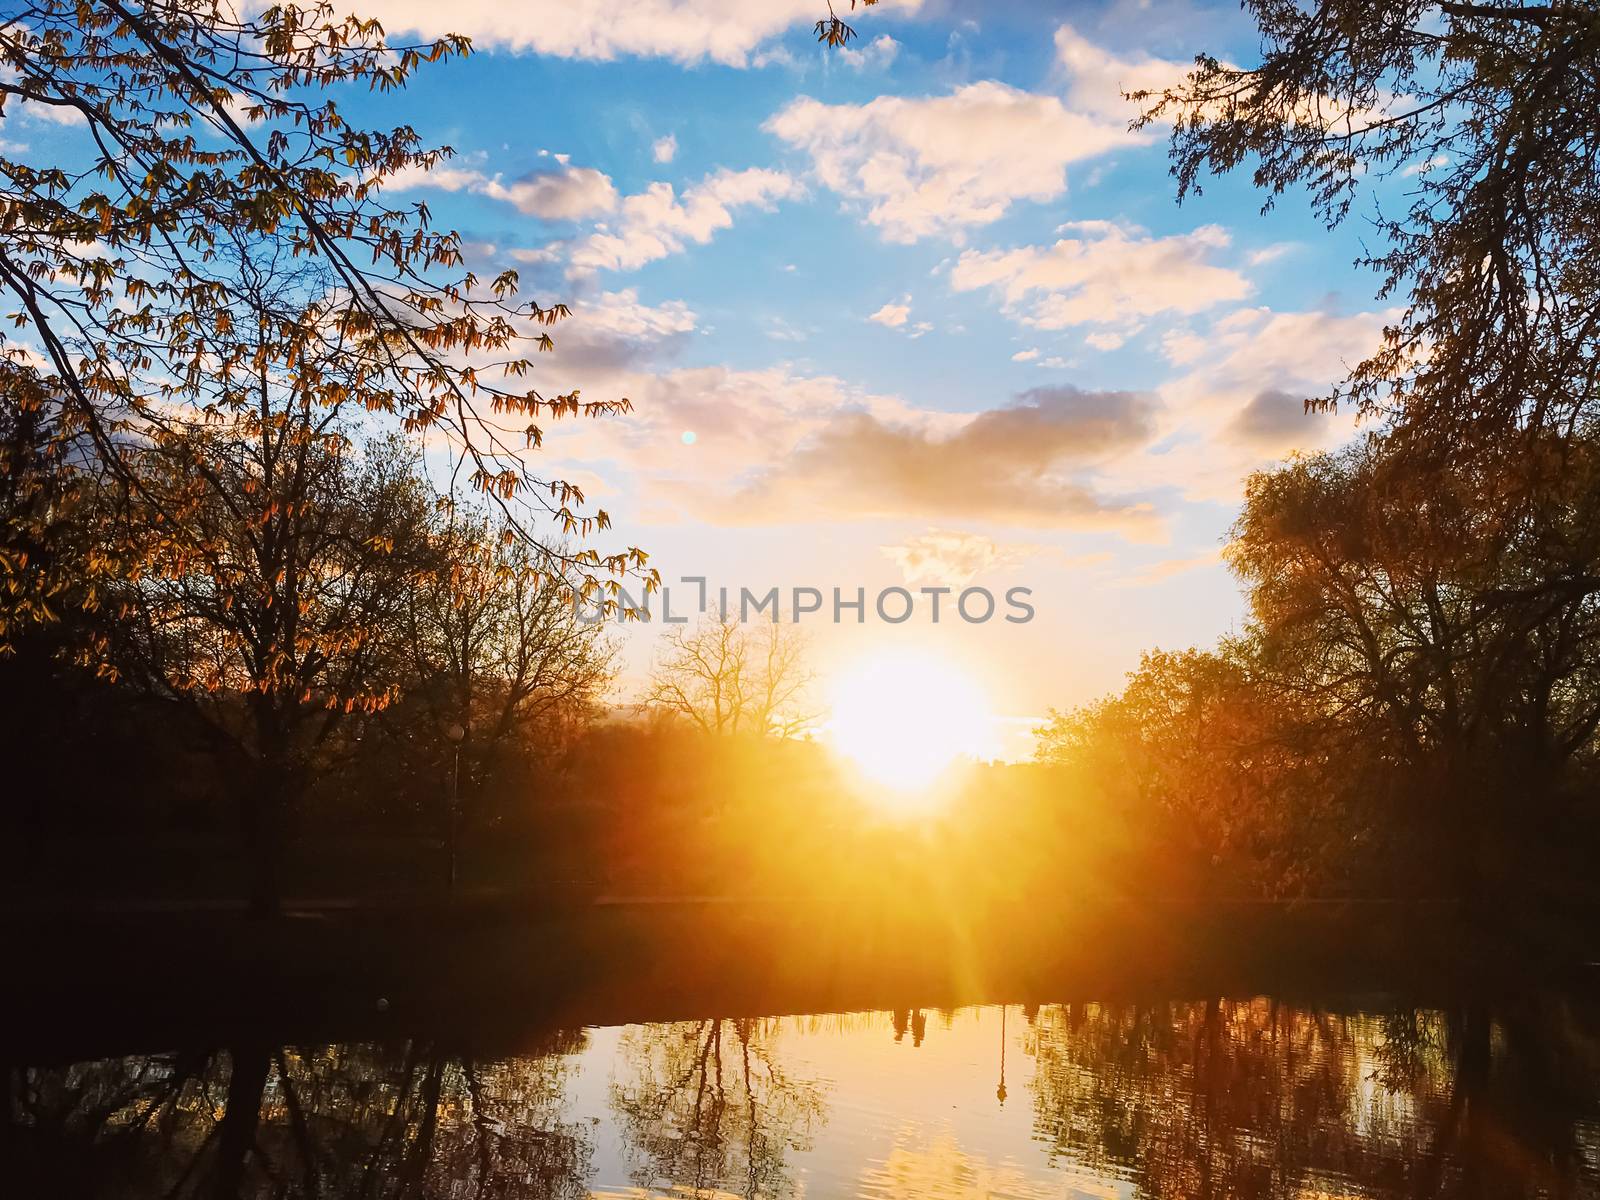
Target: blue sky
(931, 312)
(859, 256)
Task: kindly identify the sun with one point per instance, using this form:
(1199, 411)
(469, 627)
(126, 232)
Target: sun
(904, 718)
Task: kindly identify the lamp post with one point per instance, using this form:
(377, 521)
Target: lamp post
(1000, 1092)
(456, 734)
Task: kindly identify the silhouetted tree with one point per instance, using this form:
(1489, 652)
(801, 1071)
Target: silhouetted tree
(148, 280)
(1493, 250)
(727, 678)
(1447, 634)
(498, 644)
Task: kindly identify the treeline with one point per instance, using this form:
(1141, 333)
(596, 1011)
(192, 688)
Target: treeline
(268, 463)
(1415, 695)
(258, 623)
(1413, 701)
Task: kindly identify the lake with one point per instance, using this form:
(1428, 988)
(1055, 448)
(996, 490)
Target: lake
(1247, 1096)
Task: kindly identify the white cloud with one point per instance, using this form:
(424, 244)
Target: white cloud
(1267, 254)
(1108, 274)
(664, 150)
(620, 313)
(1097, 78)
(879, 52)
(656, 222)
(892, 315)
(613, 329)
(940, 164)
(687, 31)
(567, 193)
(1105, 341)
(1182, 346)
(1025, 356)
(895, 315)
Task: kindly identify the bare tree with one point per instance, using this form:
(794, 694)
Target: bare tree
(498, 645)
(727, 679)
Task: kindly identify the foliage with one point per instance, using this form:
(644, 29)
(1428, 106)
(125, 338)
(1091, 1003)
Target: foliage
(1492, 111)
(832, 31)
(1418, 681)
(1210, 764)
(217, 249)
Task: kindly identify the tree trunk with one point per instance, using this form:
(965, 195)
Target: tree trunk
(262, 803)
(274, 786)
(247, 1081)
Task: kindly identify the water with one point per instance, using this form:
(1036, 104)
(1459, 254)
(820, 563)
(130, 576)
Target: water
(1222, 1098)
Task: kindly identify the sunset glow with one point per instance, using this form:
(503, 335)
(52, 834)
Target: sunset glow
(904, 718)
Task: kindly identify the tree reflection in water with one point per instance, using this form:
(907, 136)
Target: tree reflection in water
(368, 1121)
(707, 1105)
(1256, 1100)
(1247, 1099)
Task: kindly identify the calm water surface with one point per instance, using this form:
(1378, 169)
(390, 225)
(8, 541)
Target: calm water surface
(1242, 1097)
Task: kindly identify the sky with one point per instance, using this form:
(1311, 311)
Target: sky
(920, 312)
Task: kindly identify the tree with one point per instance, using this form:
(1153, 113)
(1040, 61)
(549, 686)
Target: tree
(1211, 766)
(211, 297)
(499, 646)
(724, 679)
(1453, 637)
(209, 156)
(1494, 252)
(270, 598)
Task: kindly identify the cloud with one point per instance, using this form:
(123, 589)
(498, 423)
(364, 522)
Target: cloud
(892, 315)
(1237, 406)
(566, 193)
(1261, 362)
(657, 222)
(1268, 254)
(1275, 420)
(953, 559)
(1025, 355)
(897, 316)
(722, 31)
(879, 52)
(1022, 465)
(1435, 163)
(778, 447)
(940, 164)
(1109, 274)
(614, 329)
(664, 150)
(1097, 78)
